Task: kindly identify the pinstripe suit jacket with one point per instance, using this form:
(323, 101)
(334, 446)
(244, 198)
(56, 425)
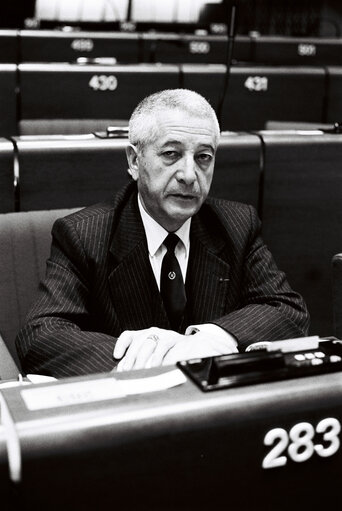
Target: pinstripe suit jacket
(99, 282)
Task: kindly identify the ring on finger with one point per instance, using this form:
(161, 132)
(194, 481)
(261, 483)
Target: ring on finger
(153, 338)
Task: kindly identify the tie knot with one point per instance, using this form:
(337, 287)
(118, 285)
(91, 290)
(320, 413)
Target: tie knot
(171, 241)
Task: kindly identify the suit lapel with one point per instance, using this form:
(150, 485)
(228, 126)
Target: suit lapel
(135, 295)
(208, 274)
(134, 291)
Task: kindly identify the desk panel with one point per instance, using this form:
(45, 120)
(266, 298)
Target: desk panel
(63, 172)
(302, 215)
(8, 105)
(237, 168)
(298, 51)
(56, 46)
(197, 49)
(259, 94)
(9, 45)
(334, 94)
(67, 91)
(180, 448)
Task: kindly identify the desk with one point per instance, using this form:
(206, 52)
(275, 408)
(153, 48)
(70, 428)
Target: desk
(180, 448)
(57, 46)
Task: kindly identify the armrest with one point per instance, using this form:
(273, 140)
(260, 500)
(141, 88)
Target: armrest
(8, 368)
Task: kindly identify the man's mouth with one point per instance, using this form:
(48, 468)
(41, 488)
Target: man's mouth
(184, 196)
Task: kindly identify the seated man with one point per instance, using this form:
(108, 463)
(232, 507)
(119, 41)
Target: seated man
(159, 273)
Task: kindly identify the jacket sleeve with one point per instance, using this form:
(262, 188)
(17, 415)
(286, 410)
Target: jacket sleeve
(269, 310)
(57, 338)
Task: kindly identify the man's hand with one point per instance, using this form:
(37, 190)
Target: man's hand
(139, 349)
(200, 345)
(154, 346)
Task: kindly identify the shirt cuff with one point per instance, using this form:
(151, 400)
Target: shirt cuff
(213, 330)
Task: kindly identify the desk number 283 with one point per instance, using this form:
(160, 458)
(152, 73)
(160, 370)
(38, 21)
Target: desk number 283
(298, 444)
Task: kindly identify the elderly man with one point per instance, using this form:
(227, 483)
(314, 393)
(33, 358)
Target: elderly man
(161, 273)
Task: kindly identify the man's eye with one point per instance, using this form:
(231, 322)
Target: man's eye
(205, 157)
(170, 154)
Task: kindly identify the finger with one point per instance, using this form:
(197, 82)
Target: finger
(119, 367)
(148, 363)
(159, 353)
(144, 354)
(140, 349)
(169, 341)
(129, 343)
(128, 361)
(122, 343)
(131, 354)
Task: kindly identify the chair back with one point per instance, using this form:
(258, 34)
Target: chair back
(24, 247)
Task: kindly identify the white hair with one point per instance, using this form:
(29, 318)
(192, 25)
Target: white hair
(143, 128)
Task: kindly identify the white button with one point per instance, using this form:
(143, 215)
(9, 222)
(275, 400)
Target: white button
(171, 275)
(309, 356)
(316, 361)
(335, 358)
(319, 354)
(299, 357)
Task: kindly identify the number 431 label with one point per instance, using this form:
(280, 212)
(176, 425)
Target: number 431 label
(299, 443)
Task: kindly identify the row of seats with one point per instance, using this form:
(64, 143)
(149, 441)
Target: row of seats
(293, 179)
(72, 98)
(58, 46)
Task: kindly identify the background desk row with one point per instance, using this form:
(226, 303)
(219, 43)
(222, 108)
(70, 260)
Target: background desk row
(58, 46)
(63, 98)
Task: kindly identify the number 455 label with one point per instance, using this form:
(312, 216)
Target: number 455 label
(299, 443)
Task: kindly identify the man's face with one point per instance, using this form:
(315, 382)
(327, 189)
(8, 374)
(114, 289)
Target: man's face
(174, 172)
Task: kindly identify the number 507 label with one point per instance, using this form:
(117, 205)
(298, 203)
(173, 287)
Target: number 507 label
(299, 443)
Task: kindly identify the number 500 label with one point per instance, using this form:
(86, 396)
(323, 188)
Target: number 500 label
(298, 444)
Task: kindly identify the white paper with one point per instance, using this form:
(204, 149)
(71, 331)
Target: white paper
(77, 393)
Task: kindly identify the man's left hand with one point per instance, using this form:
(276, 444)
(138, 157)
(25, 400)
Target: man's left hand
(199, 345)
(140, 349)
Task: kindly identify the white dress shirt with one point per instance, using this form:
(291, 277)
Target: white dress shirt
(155, 236)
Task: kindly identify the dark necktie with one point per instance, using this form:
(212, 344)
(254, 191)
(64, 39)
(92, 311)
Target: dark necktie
(172, 286)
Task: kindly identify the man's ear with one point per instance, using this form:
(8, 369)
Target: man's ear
(132, 158)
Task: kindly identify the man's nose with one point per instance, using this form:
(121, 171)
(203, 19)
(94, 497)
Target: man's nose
(187, 171)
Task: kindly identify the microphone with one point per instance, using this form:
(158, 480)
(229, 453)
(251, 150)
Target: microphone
(230, 47)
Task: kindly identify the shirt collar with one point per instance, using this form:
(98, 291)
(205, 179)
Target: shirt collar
(156, 234)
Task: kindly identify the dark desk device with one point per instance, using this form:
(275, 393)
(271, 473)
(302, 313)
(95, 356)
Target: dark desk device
(263, 366)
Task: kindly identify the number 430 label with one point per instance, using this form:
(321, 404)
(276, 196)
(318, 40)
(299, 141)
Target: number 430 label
(298, 444)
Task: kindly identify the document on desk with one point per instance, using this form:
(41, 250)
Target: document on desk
(75, 393)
